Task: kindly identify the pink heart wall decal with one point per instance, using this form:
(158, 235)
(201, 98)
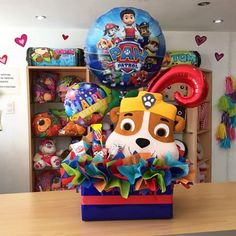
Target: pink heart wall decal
(21, 41)
(219, 56)
(3, 59)
(65, 37)
(200, 39)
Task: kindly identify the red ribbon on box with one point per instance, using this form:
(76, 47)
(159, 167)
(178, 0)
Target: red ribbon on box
(118, 200)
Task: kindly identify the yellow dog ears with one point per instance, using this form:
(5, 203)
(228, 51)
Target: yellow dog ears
(151, 102)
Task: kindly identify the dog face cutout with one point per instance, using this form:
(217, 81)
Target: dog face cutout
(146, 124)
(104, 44)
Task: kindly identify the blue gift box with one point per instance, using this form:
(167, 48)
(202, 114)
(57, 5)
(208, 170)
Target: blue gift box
(111, 206)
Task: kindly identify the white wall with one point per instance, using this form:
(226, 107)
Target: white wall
(14, 170)
(14, 158)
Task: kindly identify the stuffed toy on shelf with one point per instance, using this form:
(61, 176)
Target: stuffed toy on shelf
(45, 87)
(72, 129)
(45, 124)
(48, 156)
(64, 84)
(199, 151)
(56, 184)
(202, 171)
(48, 180)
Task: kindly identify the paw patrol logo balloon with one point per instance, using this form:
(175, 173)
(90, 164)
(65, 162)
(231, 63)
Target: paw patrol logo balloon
(125, 48)
(128, 57)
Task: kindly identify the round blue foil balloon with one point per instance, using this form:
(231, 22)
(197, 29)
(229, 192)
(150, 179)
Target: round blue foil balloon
(84, 99)
(124, 48)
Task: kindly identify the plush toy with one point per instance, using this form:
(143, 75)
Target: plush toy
(170, 91)
(203, 116)
(61, 115)
(63, 85)
(72, 129)
(45, 87)
(47, 155)
(45, 125)
(146, 124)
(44, 180)
(200, 177)
(199, 151)
(202, 172)
(56, 184)
(203, 167)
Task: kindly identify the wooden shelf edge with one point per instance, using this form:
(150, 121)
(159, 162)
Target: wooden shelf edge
(202, 161)
(46, 103)
(46, 169)
(203, 131)
(58, 136)
(205, 70)
(186, 132)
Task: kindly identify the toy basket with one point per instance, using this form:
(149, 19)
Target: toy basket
(120, 184)
(124, 188)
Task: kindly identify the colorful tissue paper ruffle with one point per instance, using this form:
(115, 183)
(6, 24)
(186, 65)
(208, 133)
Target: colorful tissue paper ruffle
(138, 172)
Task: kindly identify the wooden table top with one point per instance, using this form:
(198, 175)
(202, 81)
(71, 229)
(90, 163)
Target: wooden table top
(203, 208)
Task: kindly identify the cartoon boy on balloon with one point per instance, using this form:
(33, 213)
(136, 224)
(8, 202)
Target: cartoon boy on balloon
(128, 18)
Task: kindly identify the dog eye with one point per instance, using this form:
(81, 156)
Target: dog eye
(162, 130)
(127, 125)
(41, 122)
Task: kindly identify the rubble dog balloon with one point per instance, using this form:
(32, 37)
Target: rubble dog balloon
(125, 48)
(146, 124)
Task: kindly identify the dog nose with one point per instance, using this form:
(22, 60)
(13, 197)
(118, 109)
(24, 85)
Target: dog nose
(142, 142)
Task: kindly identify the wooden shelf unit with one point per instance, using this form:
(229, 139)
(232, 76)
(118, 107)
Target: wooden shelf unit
(33, 108)
(192, 134)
